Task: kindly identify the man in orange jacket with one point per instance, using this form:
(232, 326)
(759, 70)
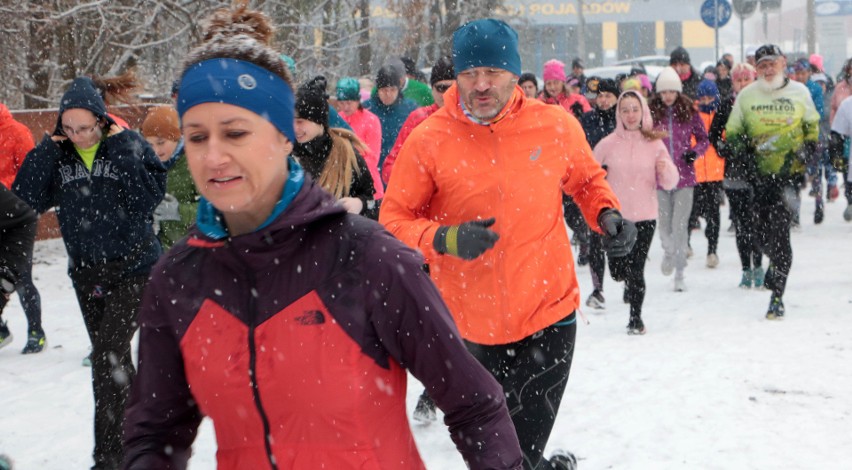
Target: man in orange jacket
(478, 189)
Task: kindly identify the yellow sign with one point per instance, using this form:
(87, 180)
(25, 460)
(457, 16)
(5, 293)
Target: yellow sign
(564, 9)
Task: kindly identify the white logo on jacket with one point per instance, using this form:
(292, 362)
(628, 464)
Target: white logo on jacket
(100, 168)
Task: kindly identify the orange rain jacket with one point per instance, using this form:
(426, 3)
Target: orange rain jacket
(710, 166)
(452, 170)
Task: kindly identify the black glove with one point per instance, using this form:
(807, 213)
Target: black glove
(807, 152)
(8, 279)
(468, 240)
(577, 109)
(619, 233)
(836, 151)
(690, 156)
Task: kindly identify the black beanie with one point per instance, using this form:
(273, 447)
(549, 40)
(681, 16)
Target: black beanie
(679, 56)
(312, 102)
(528, 77)
(442, 70)
(388, 76)
(608, 85)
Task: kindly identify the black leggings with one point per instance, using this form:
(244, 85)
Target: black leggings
(533, 372)
(631, 268)
(109, 302)
(742, 211)
(707, 199)
(774, 204)
(597, 260)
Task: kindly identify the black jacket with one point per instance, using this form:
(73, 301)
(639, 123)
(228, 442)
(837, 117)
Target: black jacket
(598, 124)
(737, 167)
(312, 155)
(18, 223)
(690, 85)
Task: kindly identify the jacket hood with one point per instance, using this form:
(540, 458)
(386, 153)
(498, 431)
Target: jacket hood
(82, 94)
(453, 105)
(5, 114)
(647, 120)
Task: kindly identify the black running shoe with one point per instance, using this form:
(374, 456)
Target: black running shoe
(5, 335)
(563, 460)
(36, 342)
(776, 309)
(635, 326)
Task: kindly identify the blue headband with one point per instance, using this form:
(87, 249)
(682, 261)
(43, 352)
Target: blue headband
(242, 84)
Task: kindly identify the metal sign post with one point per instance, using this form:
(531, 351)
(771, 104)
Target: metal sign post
(715, 14)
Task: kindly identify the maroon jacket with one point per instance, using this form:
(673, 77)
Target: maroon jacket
(302, 332)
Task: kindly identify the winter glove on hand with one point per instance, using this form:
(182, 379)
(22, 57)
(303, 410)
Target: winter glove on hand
(619, 233)
(8, 279)
(807, 152)
(577, 109)
(468, 240)
(689, 157)
(836, 151)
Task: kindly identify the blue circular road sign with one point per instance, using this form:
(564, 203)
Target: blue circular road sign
(716, 13)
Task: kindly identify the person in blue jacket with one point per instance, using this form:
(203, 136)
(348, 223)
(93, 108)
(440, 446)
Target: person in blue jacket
(391, 106)
(106, 182)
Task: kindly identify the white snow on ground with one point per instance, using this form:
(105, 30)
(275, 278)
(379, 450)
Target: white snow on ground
(712, 384)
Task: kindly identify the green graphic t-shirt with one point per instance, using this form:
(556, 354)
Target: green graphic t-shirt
(773, 126)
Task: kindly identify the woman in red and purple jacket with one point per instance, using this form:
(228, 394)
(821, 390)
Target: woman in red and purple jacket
(286, 320)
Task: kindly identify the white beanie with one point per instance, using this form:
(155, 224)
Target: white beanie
(668, 80)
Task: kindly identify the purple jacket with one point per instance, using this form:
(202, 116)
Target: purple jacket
(295, 340)
(679, 141)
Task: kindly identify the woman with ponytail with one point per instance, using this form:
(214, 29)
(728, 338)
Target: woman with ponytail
(333, 156)
(283, 317)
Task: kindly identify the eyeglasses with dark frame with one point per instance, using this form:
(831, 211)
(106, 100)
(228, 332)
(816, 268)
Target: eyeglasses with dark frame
(442, 87)
(82, 131)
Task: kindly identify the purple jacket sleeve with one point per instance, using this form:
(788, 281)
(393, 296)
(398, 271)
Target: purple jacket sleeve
(415, 327)
(699, 132)
(161, 419)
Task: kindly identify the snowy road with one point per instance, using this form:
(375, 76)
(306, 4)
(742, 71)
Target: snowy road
(712, 384)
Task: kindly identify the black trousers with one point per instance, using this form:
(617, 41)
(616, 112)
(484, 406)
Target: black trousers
(631, 268)
(743, 213)
(109, 303)
(575, 220)
(597, 259)
(774, 206)
(533, 372)
(707, 199)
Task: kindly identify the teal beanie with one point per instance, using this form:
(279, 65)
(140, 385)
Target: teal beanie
(486, 43)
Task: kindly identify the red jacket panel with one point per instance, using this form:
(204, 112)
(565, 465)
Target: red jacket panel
(16, 141)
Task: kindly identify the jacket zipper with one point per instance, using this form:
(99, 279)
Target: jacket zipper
(258, 403)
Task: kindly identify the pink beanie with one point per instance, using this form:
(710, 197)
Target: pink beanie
(554, 70)
(816, 61)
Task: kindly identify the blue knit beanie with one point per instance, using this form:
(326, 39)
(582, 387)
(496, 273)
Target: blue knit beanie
(486, 43)
(707, 88)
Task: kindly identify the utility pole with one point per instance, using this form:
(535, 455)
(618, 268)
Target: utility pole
(581, 30)
(810, 28)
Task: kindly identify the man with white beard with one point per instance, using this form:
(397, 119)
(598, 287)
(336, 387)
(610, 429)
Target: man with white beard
(773, 129)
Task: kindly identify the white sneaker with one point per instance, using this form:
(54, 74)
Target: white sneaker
(679, 285)
(712, 260)
(668, 265)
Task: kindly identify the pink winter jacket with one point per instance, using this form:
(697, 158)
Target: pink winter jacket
(367, 127)
(630, 160)
(841, 92)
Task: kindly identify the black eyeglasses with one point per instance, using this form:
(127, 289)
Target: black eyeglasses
(442, 87)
